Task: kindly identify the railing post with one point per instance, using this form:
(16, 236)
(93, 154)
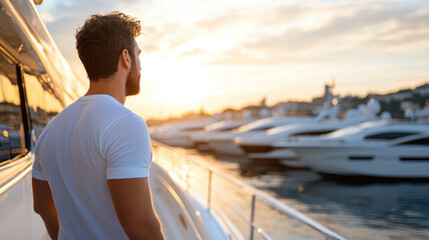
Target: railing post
(209, 190)
(156, 158)
(171, 157)
(187, 173)
(252, 216)
(174, 159)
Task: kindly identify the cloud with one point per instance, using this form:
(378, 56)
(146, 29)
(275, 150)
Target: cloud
(297, 39)
(48, 17)
(259, 32)
(165, 37)
(266, 40)
(349, 29)
(284, 33)
(239, 56)
(193, 52)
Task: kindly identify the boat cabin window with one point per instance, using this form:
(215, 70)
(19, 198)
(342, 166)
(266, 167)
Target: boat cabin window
(388, 135)
(193, 129)
(42, 102)
(229, 129)
(261, 129)
(253, 128)
(241, 129)
(11, 126)
(311, 133)
(420, 141)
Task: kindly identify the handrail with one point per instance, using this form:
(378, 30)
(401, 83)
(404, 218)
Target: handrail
(24, 171)
(272, 202)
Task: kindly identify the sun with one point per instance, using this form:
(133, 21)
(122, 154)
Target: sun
(179, 82)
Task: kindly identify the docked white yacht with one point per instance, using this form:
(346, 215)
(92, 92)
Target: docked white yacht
(261, 148)
(200, 138)
(375, 149)
(36, 83)
(229, 143)
(225, 142)
(178, 134)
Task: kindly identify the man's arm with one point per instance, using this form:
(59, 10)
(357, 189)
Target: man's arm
(45, 207)
(133, 205)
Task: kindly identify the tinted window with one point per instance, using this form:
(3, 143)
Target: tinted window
(421, 141)
(193, 129)
(389, 135)
(261, 129)
(11, 128)
(251, 128)
(43, 103)
(311, 133)
(229, 129)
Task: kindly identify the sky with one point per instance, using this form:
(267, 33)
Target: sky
(211, 55)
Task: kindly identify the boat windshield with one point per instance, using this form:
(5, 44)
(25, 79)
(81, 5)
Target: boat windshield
(222, 127)
(283, 129)
(215, 126)
(345, 131)
(354, 129)
(251, 127)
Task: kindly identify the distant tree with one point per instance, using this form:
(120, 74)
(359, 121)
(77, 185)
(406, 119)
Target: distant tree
(393, 107)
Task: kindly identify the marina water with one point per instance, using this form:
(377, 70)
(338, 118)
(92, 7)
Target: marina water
(354, 208)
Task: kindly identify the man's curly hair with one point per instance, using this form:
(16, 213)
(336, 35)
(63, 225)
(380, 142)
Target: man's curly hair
(101, 40)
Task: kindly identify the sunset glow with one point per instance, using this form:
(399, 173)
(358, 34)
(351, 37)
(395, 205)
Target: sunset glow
(219, 54)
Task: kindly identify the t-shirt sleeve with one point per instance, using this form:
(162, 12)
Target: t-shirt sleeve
(37, 171)
(127, 148)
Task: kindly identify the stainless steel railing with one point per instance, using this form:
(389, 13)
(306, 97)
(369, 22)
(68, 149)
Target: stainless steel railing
(179, 164)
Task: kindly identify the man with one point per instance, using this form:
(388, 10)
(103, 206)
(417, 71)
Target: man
(90, 175)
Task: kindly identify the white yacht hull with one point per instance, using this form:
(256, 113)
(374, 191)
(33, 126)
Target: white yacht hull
(276, 154)
(294, 163)
(19, 220)
(181, 214)
(392, 162)
(226, 147)
(287, 157)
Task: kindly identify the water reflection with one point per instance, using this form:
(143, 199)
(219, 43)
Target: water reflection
(396, 204)
(11, 139)
(357, 209)
(44, 104)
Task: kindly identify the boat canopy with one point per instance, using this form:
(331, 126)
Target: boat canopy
(25, 39)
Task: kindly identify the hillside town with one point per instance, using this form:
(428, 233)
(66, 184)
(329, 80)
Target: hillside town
(411, 103)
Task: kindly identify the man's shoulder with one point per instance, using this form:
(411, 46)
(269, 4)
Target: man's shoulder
(130, 127)
(130, 120)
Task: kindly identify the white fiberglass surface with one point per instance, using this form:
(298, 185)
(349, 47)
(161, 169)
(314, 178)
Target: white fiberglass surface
(283, 129)
(267, 123)
(302, 127)
(18, 219)
(222, 125)
(353, 129)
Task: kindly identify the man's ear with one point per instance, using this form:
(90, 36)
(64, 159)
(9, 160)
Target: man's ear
(125, 59)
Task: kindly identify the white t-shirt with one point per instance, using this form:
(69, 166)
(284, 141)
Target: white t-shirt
(94, 139)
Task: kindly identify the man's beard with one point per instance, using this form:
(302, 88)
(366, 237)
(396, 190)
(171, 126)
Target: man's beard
(132, 86)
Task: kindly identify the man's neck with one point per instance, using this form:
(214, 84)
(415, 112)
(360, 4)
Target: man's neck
(108, 86)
